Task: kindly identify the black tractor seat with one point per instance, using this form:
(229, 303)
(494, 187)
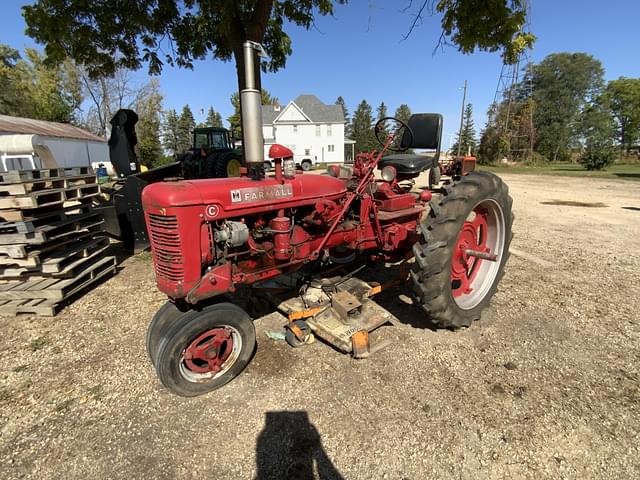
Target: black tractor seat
(408, 163)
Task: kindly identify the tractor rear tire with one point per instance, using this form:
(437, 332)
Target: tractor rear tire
(473, 213)
(205, 349)
(225, 165)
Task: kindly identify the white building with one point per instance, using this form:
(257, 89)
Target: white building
(30, 144)
(312, 129)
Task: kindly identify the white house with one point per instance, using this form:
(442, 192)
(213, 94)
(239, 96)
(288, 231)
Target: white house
(312, 129)
(27, 144)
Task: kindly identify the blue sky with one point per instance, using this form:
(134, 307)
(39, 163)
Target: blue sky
(358, 53)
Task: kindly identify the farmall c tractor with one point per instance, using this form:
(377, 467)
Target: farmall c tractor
(225, 248)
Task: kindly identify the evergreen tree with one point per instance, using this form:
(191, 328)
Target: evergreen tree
(214, 119)
(467, 138)
(186, 124)
(403, 112)
(362, 129)
(235, 124)
(381, 112)
(170, 135)
(347, 122)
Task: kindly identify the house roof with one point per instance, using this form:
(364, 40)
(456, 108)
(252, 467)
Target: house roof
(312, 107)
(28, 126)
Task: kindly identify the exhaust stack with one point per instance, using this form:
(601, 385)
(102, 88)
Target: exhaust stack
(251, 105)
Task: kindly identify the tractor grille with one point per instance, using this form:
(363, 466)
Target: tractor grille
(165, 241)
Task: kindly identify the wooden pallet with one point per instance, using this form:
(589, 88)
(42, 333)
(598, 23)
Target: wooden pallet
(53, 231)
(56, 293)
(60, 264)
(46, 217)
(27, 215)
(28, 186)
(45, 198)
(9, 253)
(16, 176)
(55, 289)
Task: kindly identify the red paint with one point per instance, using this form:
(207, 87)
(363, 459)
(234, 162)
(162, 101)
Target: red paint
(208, 352)
(464, 268)
(280, 151)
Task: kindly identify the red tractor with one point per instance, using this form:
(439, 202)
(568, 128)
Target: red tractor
(296, 241)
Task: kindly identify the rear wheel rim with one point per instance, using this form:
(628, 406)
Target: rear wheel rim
(211, 354)
(472, 277)
(233, 168)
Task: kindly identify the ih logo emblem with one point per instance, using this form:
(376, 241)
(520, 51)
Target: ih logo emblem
(236, 196)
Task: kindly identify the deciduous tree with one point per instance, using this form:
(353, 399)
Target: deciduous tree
(623, 98)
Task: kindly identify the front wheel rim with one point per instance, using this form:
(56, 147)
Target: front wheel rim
(233, 168)
(211, 354)
(472, 277)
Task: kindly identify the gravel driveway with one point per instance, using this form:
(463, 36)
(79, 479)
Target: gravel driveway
(546, 385)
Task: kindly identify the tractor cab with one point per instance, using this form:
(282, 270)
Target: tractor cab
(212, 139)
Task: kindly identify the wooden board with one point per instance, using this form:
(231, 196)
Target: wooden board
(13, 176)
(54, 288)
(37, 306)
(8, 252)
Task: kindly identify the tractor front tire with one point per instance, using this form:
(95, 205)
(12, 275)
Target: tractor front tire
(473, 214)
(205, 349)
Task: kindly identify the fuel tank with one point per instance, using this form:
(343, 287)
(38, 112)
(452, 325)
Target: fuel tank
(229, 197)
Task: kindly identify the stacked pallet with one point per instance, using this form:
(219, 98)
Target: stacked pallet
(52, 243)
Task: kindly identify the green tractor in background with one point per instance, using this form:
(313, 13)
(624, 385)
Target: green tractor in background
(213, 155)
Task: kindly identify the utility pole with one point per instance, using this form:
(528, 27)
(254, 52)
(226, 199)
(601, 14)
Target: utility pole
(464, 99)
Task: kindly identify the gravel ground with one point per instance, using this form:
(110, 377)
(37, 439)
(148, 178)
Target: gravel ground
(546, 385)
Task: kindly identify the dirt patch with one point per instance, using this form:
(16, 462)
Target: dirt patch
(546, 385)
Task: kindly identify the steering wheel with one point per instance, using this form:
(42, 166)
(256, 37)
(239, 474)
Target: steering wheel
(393, 126)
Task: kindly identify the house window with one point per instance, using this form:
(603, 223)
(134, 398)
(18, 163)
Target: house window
(328, 130)
(331, 148)
(307, 151)
(295, 129)
(318, 133)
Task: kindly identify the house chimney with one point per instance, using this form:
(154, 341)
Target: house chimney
(250, 101)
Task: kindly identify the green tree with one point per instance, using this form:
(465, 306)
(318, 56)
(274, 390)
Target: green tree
(170, 134)
(403, 113)
(623, 97)
(362, 128)
(214, 119)
(148, 107)
(186, 124)
(347, 122)
(35, 90)
(234, 120)
(597, 132)
(563, 85)
(467, 138)
(195, 29)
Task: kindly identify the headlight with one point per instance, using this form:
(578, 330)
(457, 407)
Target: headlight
(388, 173)
(289, 168)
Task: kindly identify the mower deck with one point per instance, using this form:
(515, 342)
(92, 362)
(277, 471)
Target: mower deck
(339, 311)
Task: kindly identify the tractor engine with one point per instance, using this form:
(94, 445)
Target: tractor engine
(209, 235)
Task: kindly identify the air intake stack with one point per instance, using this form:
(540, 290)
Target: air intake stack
(251, 104)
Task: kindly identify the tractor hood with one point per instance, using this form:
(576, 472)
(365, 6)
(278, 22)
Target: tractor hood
(233, 196)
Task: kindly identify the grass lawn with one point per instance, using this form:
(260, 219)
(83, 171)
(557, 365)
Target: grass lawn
(624, 171)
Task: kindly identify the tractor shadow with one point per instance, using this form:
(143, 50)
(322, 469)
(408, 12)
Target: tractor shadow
(290, 447)
(633, 209)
